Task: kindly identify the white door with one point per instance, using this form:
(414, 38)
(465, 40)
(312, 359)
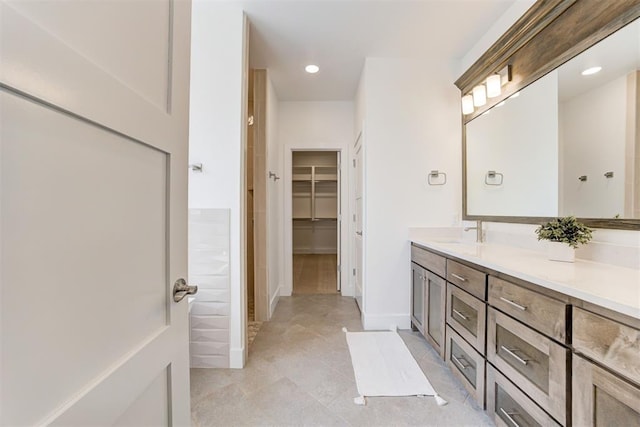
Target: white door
(339, 220)
(358, 236)
(93, 180)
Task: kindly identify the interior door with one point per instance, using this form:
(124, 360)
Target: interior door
(93, 207)
(339, 221)
(358, 236)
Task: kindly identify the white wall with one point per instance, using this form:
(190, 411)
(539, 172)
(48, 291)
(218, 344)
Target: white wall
(508, 18)
(275, 250)
(593, 140)
(520, 141)
(317, 126)
(412, 116)
(217, 128)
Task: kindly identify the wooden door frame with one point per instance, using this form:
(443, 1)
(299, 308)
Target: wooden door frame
(358, 145)
(260, 249)
(344, 259)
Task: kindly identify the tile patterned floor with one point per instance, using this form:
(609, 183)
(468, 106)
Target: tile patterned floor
(299, 373)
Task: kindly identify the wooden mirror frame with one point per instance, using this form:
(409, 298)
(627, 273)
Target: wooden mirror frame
(550, 33)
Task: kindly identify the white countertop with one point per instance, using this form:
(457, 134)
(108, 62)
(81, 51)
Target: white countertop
(608, 286)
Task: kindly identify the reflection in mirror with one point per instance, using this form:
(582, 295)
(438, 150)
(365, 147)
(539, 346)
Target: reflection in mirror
(518, 139)
(568, 145)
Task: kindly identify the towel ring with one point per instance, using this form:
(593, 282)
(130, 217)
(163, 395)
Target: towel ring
(433, 176)
(491, 175)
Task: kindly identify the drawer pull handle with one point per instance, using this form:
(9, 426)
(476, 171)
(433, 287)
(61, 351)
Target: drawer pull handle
(515, 304)
(460, 314)
(464, 279)
(509, 417)
(511, 352)
(458, 362)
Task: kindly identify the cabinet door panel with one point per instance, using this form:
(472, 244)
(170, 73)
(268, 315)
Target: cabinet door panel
(417, 296)
(601, 398)
(435, 312)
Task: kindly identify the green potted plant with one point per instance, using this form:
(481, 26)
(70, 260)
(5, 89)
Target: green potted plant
(564, 236)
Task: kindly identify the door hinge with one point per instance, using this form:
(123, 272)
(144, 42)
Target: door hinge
(354, 271)
(354, 217)
(354, 163)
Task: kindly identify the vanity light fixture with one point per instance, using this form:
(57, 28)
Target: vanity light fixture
(312, 69)
(515, 95)
(467, 104)
(490, 88)
(501, 104)
(479, 96)
(590, 71)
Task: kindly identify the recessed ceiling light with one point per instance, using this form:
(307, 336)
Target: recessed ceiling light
(312, 69)
(591, 70)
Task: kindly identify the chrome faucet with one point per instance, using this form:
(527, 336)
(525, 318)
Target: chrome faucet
(478, 228)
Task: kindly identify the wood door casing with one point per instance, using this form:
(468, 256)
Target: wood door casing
(260, 220)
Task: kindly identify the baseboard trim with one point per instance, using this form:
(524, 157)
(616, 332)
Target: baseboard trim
(385, 321)
(236, 358)
(274, 300)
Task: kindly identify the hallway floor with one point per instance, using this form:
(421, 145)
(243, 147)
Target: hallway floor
(299, 373)
(315, 274)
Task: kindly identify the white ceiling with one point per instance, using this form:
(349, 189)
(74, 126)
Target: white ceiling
(338, 35)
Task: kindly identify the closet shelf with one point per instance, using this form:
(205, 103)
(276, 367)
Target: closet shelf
(315, 219)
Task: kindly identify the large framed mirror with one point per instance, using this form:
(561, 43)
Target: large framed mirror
(564, 137)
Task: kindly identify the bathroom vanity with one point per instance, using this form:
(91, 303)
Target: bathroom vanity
(539, 342)
(534, 342)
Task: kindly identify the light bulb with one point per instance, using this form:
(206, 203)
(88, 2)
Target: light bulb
(312, 69)
(590, 71)
(467, 104)
(479, 96)
(494, 85)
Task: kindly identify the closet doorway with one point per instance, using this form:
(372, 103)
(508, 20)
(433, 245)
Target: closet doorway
(315, 209)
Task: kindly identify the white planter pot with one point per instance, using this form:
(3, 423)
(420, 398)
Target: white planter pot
(558, 251)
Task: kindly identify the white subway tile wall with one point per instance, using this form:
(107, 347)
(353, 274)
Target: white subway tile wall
(209, 269)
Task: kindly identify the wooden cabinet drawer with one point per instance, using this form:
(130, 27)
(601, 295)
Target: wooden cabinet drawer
(429, 260)
(507, 406)
(542, 313)
(602, 399)
(467, 278)
(466, 364)
(467, 315)
(535, 363)
(615, 345)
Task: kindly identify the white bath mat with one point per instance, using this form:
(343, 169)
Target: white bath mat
(383, 366)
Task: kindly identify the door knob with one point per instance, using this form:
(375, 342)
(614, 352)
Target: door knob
(181, 290)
